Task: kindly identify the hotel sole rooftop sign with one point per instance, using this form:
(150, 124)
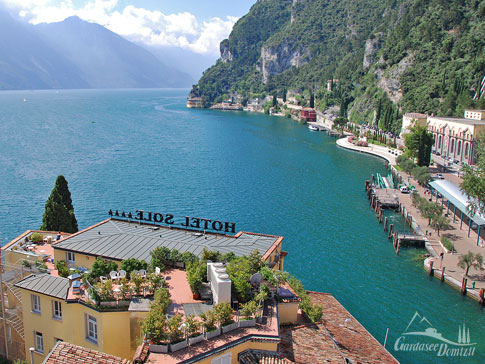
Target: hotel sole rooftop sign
(171, 220)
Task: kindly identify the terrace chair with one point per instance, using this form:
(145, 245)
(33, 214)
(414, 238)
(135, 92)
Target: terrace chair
(121, 274)
(143, 273)
(158, 271)
(114, 275)
(103, 278)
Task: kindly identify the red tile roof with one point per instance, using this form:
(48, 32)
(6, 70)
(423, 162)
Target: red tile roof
(65, 353)
(339, 336)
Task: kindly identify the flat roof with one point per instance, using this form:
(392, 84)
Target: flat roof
(46, 284)
(457, 197)
(118, 240)
(459, 120)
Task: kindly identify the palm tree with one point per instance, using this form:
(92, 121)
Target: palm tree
(470, 260)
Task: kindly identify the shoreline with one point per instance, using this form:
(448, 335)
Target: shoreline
(380, 152)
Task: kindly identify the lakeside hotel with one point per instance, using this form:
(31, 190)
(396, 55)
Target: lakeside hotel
(54, 320)
(454, 137)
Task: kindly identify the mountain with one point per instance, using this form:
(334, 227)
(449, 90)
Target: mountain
(107, 60)
(184, 60)
(77, 54)
(387, 57)
(27, 61)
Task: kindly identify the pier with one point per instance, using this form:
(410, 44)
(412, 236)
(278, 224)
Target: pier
(382, 197)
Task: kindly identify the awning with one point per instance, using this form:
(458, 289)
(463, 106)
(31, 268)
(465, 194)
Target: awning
(455, 195)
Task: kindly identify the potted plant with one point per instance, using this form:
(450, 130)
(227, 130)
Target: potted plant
(209, 323)
(174, 258)
(223, 312)
(248, 310)
(105, 291)
(195, 277)
(137, 280)
(155, 280)
(154, 327)
(193, 327)
(125, 290)
(177, 335)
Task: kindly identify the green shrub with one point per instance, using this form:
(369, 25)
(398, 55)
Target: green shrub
(249, 309)
(131, 264)
(36, 237)
(162, 300)
(447, 243)
(159, 257)
(223, 312)
(102, 267)
(62, 270)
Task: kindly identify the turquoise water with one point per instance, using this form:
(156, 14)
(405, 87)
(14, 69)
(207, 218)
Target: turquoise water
(139, 149)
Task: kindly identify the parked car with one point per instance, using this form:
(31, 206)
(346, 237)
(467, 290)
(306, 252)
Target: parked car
(439, 176)
(404, 189)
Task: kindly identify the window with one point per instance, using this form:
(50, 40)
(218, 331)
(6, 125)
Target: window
(70, 257)
(224, 359)
(35, 300)
(57, 310)
(91, 328)
(39, 342)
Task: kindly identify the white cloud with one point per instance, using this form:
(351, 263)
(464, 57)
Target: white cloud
(137, 24)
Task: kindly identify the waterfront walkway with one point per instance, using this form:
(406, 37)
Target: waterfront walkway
(377, 150)
(456, 232)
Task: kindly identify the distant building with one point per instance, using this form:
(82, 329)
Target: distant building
(194, 102)
(410, 119)
(308, 114)
(330, 83)
(456, 137)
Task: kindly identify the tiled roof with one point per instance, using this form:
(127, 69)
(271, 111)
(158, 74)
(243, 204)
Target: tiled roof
(65, 353)
(120, 240)
(338, 339)
(46, 284)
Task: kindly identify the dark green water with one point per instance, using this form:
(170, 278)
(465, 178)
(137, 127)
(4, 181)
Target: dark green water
(143, 150)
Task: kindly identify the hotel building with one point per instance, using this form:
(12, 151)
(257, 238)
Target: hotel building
(61, 321)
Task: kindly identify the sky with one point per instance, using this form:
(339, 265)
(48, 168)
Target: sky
(195, 25)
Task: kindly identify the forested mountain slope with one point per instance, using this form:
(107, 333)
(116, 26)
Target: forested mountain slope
(390, 56)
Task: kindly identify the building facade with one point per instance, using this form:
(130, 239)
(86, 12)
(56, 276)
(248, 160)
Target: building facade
(455, 138)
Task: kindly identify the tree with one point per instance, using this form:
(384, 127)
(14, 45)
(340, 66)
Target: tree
(470, 260)
(131, 264)
(406, 164)
(312, 100)
(340, 122)
(439, 222)
(418, 143)
(474, 180)
(102, 267)
(422, 175)
(430, 210)
(59, 211)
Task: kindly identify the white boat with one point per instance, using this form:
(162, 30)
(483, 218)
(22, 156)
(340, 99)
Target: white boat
(312, 127)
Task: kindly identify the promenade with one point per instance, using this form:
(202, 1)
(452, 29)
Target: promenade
(456, 232)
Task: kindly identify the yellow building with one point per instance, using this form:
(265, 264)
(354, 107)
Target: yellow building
(51, 314)
(410, 119)
(456, 137)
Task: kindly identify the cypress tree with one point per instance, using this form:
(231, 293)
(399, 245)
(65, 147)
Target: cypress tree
(59, 211)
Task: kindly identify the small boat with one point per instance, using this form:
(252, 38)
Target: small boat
(312, 127)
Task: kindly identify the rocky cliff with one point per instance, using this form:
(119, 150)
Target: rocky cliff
(397, 55)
